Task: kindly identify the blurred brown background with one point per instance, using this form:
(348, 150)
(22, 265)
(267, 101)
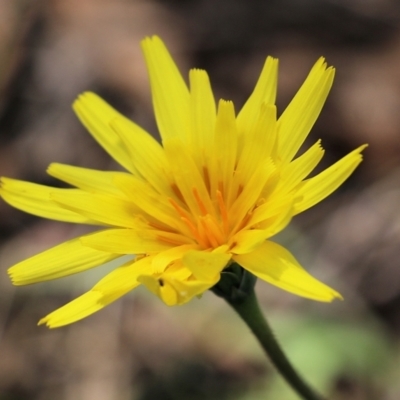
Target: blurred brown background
(139, 349)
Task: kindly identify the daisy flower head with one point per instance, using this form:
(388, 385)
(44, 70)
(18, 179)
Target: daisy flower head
(212, 194)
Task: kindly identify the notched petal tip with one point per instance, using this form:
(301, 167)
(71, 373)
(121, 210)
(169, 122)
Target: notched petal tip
(152, 38)
(17, 278)
(11, 275)
(4, 182)
(320, 63)
(321, 67)
(225, 104)
(76, 310)
(338, 296)
(153, 43)
(329, 296)
(51, 167)
(272, 59)
(44, 321)
(354, 157)
(88, 100)
(199, 71)
(362, 147)
(83, 97)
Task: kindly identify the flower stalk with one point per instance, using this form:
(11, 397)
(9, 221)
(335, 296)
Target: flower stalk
(240, 295)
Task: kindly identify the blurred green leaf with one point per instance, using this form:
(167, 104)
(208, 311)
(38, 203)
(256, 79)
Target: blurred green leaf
(324, 350)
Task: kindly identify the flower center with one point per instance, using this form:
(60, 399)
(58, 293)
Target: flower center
(209, 229)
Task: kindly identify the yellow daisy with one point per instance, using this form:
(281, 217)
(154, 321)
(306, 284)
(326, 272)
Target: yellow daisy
(215, 192)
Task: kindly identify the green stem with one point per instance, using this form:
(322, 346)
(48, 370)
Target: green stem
(248, 308)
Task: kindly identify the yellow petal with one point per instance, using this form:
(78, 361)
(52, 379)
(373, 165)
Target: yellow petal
(160, 284)
(226, 137)
(264, 93)
(161, 289)
(189, 288)
(146, 154)
(177, 270)
(176, 285)
(277, 222)
(294, 172)
(206, 266)
(77, 309)
(275, 206)
(105, 209)
(203, 116)
(322, 185)
(35, 199)
(65, 259)
(150, 202)
(274, 264)
(96, 115)
(246, 241)
(113, 286)
(171, 98)
(125, 241)
(258, 143)
(123, 279)
(164, 258)
(300, 115)
(87, 179)
(188, 178)
(251, 192)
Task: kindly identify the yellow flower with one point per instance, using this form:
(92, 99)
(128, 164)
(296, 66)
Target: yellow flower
(216, 190)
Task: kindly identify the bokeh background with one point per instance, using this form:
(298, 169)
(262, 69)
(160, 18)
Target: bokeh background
(139, 349)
